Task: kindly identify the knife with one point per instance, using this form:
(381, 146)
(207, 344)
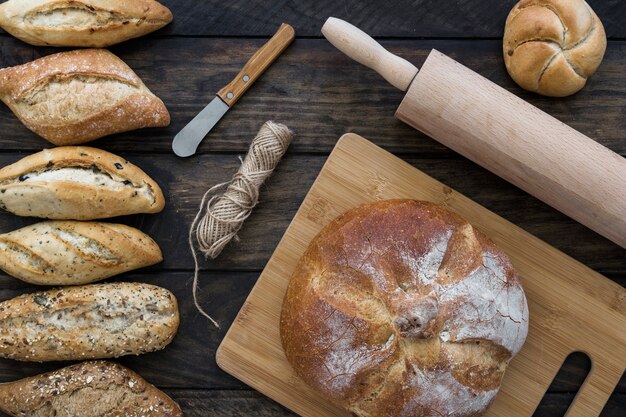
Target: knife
(188, 139)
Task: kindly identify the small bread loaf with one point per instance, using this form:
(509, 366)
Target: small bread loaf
(75, 253)
(77, 183)
(552, 47)
(82, 23)
(89, 389)
(401, 308)
(78, 96)
(94, 321)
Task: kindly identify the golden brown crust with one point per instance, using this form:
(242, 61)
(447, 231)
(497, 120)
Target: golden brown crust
(122, 102)
(552, 47)
(401, 308)
(88, 322)
(108, 186)
(82, 23)
(86, 389)
(75, 253)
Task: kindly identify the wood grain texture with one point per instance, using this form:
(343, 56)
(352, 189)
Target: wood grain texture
(332, 94)
(523, 145)
(189, 361)
(246, 403)
(321, 94)
(257, 65)
(398, 18)
(571, 307)
(283, 193)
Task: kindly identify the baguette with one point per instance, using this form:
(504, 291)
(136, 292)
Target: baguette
(78, 96)
(75, 253)
(77, 183)
(89, 389)
(82, 23)
(88, 322)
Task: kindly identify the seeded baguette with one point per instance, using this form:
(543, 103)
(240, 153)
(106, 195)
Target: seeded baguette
(74, 97)
(77, 183)
(75, 253)
(82, 23)
(95, 321)
(89, 389)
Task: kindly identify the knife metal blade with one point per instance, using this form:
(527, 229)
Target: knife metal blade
(189, 138)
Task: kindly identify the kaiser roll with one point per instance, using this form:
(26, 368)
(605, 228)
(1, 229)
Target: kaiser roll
(552, 47)
(401, 308)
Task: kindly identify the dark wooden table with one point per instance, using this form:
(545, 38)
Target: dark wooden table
(320, 94)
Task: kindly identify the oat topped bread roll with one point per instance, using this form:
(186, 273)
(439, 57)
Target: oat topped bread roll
(401, 308)
(78, 96)
(94, 321)
(77, 183)
(552, 47)
(75, 253)
(89, 389)
(82, 23)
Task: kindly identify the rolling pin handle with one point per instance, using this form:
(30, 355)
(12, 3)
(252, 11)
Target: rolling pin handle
(359, 46)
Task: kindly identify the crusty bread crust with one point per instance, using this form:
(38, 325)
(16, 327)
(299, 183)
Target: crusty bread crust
(88, 389)
(94, 321)
(75, 253)
(82, 23)
(552, 47)
(401, 308)
(136, 108)
(134, 191)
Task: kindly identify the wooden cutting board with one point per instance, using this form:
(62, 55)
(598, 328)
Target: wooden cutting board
(572, 308)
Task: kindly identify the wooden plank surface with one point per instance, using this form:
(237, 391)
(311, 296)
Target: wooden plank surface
(333, 94)
(398, 18)
(187, 62)
(569, 304)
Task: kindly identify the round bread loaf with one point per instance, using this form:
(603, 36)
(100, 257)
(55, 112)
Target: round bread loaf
(401, 308)
(552, 47)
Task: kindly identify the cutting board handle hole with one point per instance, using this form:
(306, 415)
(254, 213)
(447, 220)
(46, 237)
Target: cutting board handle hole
(564, 386)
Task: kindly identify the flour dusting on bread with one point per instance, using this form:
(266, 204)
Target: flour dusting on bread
(402, 308)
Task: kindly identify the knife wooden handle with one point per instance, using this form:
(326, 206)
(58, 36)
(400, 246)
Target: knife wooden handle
(359, 46)
(257, 65)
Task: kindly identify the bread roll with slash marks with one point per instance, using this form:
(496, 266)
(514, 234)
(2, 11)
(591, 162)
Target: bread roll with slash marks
(401, 308)
(89, 389)
(82, 23)
(75, 97)
(75, 253)
(77, 183)
(94, 321)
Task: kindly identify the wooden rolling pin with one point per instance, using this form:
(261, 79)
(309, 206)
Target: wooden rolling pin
(501, 132)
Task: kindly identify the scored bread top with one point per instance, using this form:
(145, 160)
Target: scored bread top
(82, 23)
(90, 62)
(87, 389)
(552, 47)
(88, 322)
(74, 97)
(401, 308)
(77, 183)
(75, 253)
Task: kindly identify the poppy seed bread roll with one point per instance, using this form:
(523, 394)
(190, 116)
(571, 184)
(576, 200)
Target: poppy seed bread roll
(75, 253)
(88, 389)
(88, 322)
(75, 97)
(81, 23)
(77, 183)
(401, 308)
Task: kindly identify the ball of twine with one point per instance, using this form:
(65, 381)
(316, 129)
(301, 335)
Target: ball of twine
(221, 215)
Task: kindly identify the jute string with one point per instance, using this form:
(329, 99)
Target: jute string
(221, 215)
